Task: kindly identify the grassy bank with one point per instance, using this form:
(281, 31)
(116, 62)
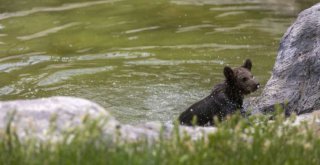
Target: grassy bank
(253, 141)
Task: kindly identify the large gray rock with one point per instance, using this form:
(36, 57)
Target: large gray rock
(49, 118)
(34, 118)
(295, 80)
(309, 118)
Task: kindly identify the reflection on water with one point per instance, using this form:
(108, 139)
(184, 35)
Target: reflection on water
(142, 29)
(173, 62)
(199, 46)
(142, 60)
(114, 55)
(193, 28)
(64, 75)
(63, 7)
(46, 32)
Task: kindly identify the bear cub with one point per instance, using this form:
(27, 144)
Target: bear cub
(225, 99)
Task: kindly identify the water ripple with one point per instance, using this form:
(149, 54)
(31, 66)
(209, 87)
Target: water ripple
(142, 29)
(115, 55)
(6, 90)
(63, 75)
(195, 46)
(32, 60)
(237, 8)
(231, 13)
(193, 28)
(211, 2)
(47, 32)
(233, 28)
(54, 9)
(173, 62)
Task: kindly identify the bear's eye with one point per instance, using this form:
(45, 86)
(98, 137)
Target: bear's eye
(244, 79)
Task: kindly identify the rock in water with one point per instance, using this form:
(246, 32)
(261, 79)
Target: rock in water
(47, 119)
(35, 117)
(295, 80)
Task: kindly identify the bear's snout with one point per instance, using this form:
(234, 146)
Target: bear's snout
(251, 86)
(256, 86)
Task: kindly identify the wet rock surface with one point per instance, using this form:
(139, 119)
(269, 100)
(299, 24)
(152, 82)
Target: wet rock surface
(295, 80)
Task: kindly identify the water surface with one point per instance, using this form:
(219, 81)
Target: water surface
(142, 60)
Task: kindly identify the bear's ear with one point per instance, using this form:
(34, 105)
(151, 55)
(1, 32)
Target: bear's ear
(228, 73)
(247, 64)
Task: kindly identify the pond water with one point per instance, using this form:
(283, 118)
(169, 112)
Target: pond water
(142, 60)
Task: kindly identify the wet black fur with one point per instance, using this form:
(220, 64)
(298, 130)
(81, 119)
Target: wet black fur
(225, 99)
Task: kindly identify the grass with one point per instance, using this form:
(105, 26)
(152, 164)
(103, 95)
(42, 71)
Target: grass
(252, 141)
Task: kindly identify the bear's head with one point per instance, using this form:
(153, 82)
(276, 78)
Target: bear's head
(241, 78)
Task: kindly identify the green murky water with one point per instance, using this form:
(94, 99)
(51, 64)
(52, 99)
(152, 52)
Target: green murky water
(142, 60)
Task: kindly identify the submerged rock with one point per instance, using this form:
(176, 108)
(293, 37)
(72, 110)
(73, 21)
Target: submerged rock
(295, 80)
